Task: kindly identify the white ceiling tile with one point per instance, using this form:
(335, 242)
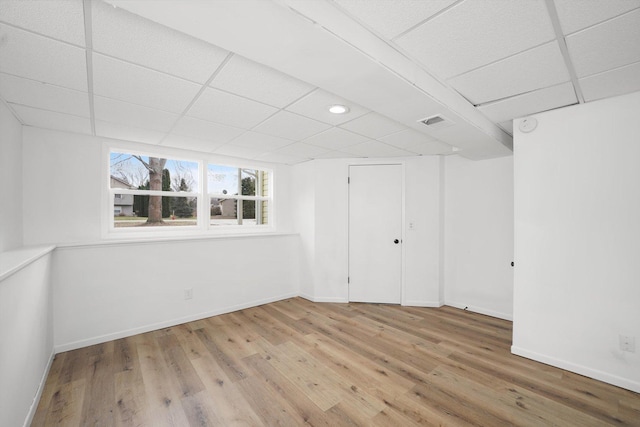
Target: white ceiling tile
(335, 155)
(261, 141)
(228, 109)
(291, 126)
(300, 149)
(52, 120)
(237, 151)
(335, 139)
(123, 113)
(316, 106)
(477, 32)
(536, 68)
(376, 149)
(261, 83)
(606, 46)
(530, 103)
(390, 18)
(204, 130)
(116, 79)
(416, 142)
(611, 83)
(189, 143)
(39, 58)
(124, 35)
(43, 95)
(62, 20)
(373, 125)
(127, 133)
(280, 158)
(578, 14)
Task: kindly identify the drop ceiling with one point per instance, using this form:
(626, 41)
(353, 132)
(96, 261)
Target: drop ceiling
(253, 79)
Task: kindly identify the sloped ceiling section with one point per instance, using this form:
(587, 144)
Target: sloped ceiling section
(253, 79)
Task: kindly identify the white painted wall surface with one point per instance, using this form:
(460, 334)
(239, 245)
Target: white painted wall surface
(63, 183)
(577, 239)
(107, 291)
(26, 340)
(478, 229)
(326, 238)
(62, 187)
(111, 291)
(303, 210)
(11, 179)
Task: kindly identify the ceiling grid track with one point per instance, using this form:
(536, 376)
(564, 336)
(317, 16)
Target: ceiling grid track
(562, 44)
(89, 56)
(204, 87)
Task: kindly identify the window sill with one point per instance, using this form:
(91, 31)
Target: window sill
(15, 260)
(169, 239)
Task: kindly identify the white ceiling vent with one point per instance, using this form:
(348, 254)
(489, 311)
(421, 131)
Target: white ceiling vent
(437, 122)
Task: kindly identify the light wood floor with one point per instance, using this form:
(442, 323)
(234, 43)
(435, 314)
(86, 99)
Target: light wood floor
(294, 363)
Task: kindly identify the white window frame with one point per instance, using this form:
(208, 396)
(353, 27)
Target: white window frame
(203, 226)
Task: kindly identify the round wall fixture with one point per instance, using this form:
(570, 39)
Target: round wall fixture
(338, 109)
(528, 124)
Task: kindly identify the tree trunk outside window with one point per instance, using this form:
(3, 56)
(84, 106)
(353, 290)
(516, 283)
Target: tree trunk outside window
(156, 166)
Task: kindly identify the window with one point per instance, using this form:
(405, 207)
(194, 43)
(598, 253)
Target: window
(161, 193)
(238, 196)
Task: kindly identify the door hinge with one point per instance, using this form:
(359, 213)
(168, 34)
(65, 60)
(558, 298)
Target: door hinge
(348, 279)
(348, 180)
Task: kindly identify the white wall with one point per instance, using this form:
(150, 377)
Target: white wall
(11, 179)
(478, 233)
(325, 239)
(577, 239)
(104, 292)
(26, 340)
(63, 182)
(304, 217)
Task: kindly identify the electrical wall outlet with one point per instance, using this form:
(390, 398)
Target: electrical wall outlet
(188, 293)
(628, 343)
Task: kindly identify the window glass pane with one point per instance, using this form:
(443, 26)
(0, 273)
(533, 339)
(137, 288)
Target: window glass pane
(144, 211)
(133, 172)
(223, 211)
(238, 212)
(223, 179)
(249, 181)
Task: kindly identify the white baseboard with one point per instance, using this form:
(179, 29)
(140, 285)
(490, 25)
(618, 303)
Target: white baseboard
(578, 369)
(323, 299)
(416, 303)
(480, 310)
(36, 398)
(59, 348)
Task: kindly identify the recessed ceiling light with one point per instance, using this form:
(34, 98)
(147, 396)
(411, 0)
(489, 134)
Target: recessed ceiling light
(338, 109)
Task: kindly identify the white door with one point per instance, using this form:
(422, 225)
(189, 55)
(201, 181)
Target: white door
(375, 233)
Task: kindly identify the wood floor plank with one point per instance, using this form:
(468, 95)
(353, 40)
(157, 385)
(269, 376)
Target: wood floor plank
(189, 341)
(231, 407)
(162, 395)
(269, 406)
(99, 402)
(65, 406)
(179, 364)
(228, 362)
(308, 411)
(295, 362)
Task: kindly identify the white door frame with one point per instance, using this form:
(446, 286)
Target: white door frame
(402, 220)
